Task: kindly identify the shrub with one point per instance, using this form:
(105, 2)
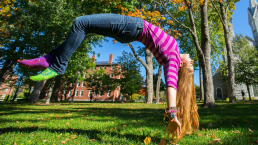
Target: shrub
(135, 96)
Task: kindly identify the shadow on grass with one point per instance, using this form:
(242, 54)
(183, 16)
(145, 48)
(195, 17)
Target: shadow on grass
(225, 116)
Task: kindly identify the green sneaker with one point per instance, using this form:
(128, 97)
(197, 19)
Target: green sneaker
(45, 75)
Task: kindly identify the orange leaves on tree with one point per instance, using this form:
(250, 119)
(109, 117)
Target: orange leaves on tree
(142, 92)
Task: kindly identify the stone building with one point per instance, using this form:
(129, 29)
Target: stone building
(220, 87)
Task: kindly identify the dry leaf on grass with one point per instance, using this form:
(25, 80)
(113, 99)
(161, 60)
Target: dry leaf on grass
(63, 142)
(237, 131)
(217, 140)
(249, 130)
(14, 143)
(213, 136)
(93, 140)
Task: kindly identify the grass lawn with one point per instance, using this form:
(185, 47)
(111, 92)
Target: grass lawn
(121, 124)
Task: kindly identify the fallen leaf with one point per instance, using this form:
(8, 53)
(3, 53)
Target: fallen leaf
(63, 142)
(249, 130)
(203, 129)
(199, 135)
(44, 140)
(217, 140)
(14, 143)
(93, 140)
(213, 136)
(147, 140)
(206, 134)
(237, 131)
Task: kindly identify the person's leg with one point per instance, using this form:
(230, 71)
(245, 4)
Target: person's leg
(41, 62)
(123, 28)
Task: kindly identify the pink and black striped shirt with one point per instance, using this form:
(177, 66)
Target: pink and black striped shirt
(165, 49)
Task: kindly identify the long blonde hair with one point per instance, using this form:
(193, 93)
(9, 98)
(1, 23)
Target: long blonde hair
(186, 102)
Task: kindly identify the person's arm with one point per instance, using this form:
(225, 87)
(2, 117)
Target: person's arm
(171, 97)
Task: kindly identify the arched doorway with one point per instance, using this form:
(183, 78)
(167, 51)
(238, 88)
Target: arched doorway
(219, 93)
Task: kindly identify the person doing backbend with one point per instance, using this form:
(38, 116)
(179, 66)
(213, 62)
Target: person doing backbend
(178, 68)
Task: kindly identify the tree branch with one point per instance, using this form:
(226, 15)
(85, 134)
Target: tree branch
(137, 57)
(218, 13)
(187, 28)
(228, 5)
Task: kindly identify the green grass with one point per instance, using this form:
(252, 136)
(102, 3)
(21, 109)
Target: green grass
(121, 124)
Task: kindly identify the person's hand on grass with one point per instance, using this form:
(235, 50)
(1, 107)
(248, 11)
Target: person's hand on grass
(174, 126)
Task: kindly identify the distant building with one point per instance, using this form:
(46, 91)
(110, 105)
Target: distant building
(220, 87)
(6, 89)
(82, 92)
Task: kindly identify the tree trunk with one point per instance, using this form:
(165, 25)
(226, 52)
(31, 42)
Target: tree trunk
(248, 89)
(149, 73)
(6, 70)
(149, 76)
(201, 84)
(54, 96)
(15, 94)
(230, 60)
(209, 101)
(72, 101)
(49, 94)
(158, 83)
(34, 97)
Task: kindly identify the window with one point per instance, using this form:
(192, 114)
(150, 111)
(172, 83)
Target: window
(111, 75)
(6, 89)
(89, 93)
(67, 85)
(64, 92)
(83, 84)
(83, 76)
(70, 92)
(123, 76)
(108, 94)
(76, 93)
(95, 94)
(105, 67)
(119, 77)
(31, 89)
(78, 84)
(100, 93)
(71, 84)
(3, 96)
(99, 67)
(112, 67)
(81, 93)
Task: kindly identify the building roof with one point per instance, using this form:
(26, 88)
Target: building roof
(251, 40)
(105, 63)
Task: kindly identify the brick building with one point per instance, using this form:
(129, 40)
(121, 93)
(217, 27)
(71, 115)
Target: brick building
(82, 92)
(5, 89)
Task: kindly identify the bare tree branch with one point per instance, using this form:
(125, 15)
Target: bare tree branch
(137, 57)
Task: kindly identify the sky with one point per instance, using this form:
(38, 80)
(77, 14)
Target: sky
(240, 25)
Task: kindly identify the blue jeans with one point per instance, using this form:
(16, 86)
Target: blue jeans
(124, 29)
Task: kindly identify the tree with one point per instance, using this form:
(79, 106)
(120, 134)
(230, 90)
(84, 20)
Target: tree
(197, 91)
(246, 68)
(202, 43)
(99, 82)
(227, 6)
(131, 82)
(159, 85)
